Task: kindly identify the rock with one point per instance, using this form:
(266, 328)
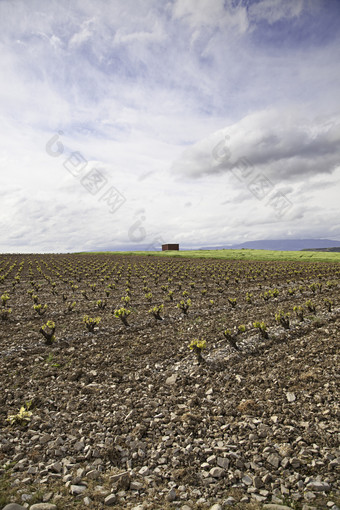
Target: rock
(290, 396)
(144, 471)
(230, 501)
(244, 499)
(43, 506)
(285, 462)
(171, 496)
(79, 446)
(100, 491)
(216, 506)
(93, 474)
(247, 480)
(75, 490)
(14, 506)
(115, 478)
(257, 482)
(319, 486)
(110, 500)
(223, 462)
(216, 472)
(273, 506)
(295, 462)
(26, 497)
(136, 486)
(309, 496)
(267, 478)
(334, 463)
(87, 501)
(185, 507)
(171, 380)
(47, 497)
(274, 460)
(56, 467)
(124, 482)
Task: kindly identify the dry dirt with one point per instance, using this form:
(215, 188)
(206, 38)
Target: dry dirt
(127, 417)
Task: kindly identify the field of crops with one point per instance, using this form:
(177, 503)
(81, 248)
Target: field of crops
(166, 382)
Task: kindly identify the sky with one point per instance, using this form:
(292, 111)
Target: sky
(126, 124)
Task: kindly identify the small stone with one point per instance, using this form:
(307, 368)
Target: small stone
(285, 462)
(290, 396)
(276, 500)
(267, 478)
(273, 506)
(87, 501)
(246, 480)
(110, 500)
(136, 486)
(216, 472)
(115, 478)
(274, 460)
(124, 482)
(230, 501)
(100, 490)
(43, 506)
(56, 467)
(26, 497)
(309, 496)
(284, 490)
(295, 462)
(185, 507)
(14, 506)
(257, 482)
(319, 486)
(75, 490)
(171, 496)
(171, 380)
(93, 474)
(144, 471)
(47, 496)
(223, 462)
(216, 506)
(79, 446)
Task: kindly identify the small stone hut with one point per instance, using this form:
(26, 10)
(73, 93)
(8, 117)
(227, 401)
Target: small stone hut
(167, 247)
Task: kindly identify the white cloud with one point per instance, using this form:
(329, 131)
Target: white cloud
(84, 34)
(272, 11)
(131, 84)
(283, 144)
(211, 13)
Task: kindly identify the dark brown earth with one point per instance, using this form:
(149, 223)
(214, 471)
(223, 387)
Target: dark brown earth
(126, 417)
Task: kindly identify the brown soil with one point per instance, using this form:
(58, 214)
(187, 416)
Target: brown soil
(125, 398)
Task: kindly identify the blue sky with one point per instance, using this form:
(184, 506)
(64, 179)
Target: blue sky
(127, 123)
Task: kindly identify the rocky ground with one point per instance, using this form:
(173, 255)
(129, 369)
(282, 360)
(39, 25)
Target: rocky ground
(126, 417)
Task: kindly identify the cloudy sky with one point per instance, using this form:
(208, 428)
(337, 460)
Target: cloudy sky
(128, 123)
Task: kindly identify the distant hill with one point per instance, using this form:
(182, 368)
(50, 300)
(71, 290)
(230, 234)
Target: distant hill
(283, 245)
(323, 249)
